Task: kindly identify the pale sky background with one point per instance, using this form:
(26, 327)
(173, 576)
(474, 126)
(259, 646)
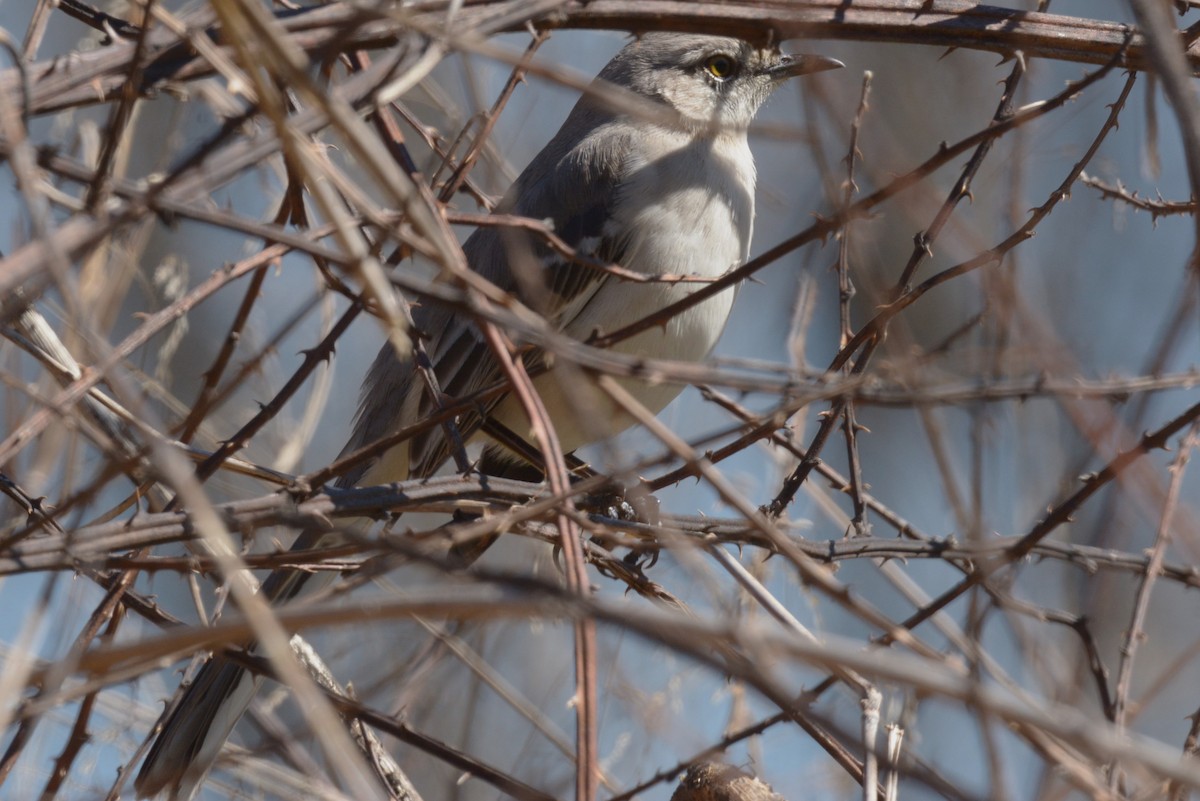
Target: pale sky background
(1097, 282)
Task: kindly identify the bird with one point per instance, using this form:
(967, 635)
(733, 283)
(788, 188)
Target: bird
(670, 193)
(716, 781)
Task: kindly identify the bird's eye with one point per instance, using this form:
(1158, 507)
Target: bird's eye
(720, 67)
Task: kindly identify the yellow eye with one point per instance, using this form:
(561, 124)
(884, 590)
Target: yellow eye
(720, 67)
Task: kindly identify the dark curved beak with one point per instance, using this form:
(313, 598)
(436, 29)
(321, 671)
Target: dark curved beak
(790, 66)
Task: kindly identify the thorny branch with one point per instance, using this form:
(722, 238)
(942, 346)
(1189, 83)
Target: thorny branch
(374, 162)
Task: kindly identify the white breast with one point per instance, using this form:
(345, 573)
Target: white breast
(685, 210)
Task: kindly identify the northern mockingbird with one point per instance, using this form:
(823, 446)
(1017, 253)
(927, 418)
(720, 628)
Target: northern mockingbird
(668, 193)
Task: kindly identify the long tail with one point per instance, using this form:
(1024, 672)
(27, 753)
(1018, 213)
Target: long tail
(193, 736)
(194, 733)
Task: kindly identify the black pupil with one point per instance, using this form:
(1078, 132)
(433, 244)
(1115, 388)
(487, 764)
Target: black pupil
(720, 66)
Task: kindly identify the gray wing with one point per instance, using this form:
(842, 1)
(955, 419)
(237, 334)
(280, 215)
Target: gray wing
(574, 182)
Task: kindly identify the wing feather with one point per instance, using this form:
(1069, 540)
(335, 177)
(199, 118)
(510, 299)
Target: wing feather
(574, 184)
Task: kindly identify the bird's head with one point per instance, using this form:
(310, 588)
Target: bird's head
(709, 80)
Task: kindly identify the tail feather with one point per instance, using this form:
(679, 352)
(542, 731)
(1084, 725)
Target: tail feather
(198, 726)
(193, 735)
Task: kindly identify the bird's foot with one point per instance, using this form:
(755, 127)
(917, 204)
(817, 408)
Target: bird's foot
(619, 503)
(633, 505)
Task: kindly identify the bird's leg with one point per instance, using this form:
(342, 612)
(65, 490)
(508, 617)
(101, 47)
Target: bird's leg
(499, 462)
(517, 459)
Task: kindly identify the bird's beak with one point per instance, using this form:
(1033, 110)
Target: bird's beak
(790, 66)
